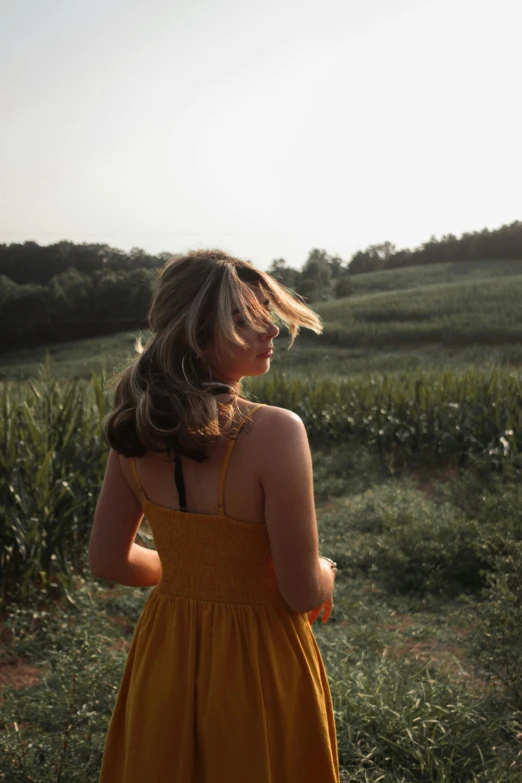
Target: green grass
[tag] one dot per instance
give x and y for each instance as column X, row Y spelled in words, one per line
column 411, row 701
column 102, row 355
column 307, row 362
column 423, row 645
column 448, row 314
column 75, row 359
column 433, row 274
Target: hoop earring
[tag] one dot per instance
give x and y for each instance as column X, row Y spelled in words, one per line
column 185, row 374
column 214, row 387
column 208, row 383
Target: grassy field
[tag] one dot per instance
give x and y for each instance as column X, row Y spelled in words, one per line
column 413, row 405
column 414, row 700
column 433, row 274
column 407, row 320
column 423, row 647
column 76, row 359
column 305, row 360
column 450, row 314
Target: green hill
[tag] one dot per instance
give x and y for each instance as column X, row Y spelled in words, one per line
column 406, row 319
column 487, row 311
column 433, row 274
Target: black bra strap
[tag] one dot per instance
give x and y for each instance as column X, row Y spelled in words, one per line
column 215, row 388
column 180, row 484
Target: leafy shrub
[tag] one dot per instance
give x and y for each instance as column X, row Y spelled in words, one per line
column 496, row 623
column 347, row 469
column 411, row 545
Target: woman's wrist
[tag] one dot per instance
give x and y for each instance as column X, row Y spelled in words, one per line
column 331, row 563
column 328, row 571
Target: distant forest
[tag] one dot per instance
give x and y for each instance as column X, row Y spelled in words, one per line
column 67, row 291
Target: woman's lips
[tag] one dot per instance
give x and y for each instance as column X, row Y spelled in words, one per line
column 267, row 354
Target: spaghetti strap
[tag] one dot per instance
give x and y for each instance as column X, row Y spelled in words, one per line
column 135, row 474
column 228, row 452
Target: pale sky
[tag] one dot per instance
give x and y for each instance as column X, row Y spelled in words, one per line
column 264, row 128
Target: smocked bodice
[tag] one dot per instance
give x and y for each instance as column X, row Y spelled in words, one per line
column 212, row 557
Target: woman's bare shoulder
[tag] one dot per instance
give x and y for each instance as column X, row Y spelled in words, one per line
column 275, row 425
column 280, row 440
column 269, row 413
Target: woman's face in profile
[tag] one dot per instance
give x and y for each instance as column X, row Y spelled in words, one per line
column 246, row 361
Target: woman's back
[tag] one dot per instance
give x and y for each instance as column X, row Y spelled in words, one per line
column 262, row 477
column 243, row 492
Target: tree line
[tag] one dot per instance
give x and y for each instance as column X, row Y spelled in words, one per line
column 325, row 277
column 68, row 291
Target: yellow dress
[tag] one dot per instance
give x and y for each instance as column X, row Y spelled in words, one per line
column 223, row 682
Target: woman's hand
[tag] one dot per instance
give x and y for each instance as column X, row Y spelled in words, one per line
column 314, row 614
column 328, row 604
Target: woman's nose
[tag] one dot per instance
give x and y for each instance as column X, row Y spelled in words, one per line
column 272, row 330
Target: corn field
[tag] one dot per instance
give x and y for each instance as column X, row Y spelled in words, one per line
column 431, row 418
column 52, row 454
column 52, row 459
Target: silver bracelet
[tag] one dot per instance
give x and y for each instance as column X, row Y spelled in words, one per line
column 331, row 563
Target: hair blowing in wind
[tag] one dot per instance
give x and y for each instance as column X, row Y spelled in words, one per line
column 160, row 404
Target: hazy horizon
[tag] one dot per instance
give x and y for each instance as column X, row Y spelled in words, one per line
column 266, row 131
column 174, row 251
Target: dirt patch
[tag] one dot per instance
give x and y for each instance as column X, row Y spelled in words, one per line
column 109, row 592
column 122, row 622
column 127, row 629
column 16, row 674
column 6, row 636
column 403, row 621
column 426, row 484
column 461, row 631
column 122, row 644
column 449, row 658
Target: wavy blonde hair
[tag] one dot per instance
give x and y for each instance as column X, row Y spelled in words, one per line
column 155, row 406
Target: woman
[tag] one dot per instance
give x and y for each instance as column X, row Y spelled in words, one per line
column 224, row 682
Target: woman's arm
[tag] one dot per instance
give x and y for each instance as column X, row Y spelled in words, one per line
column 113, row 555
column 284, row 464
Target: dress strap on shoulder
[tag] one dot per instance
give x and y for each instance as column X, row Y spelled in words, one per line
column 135, row 474
column 228, row 452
